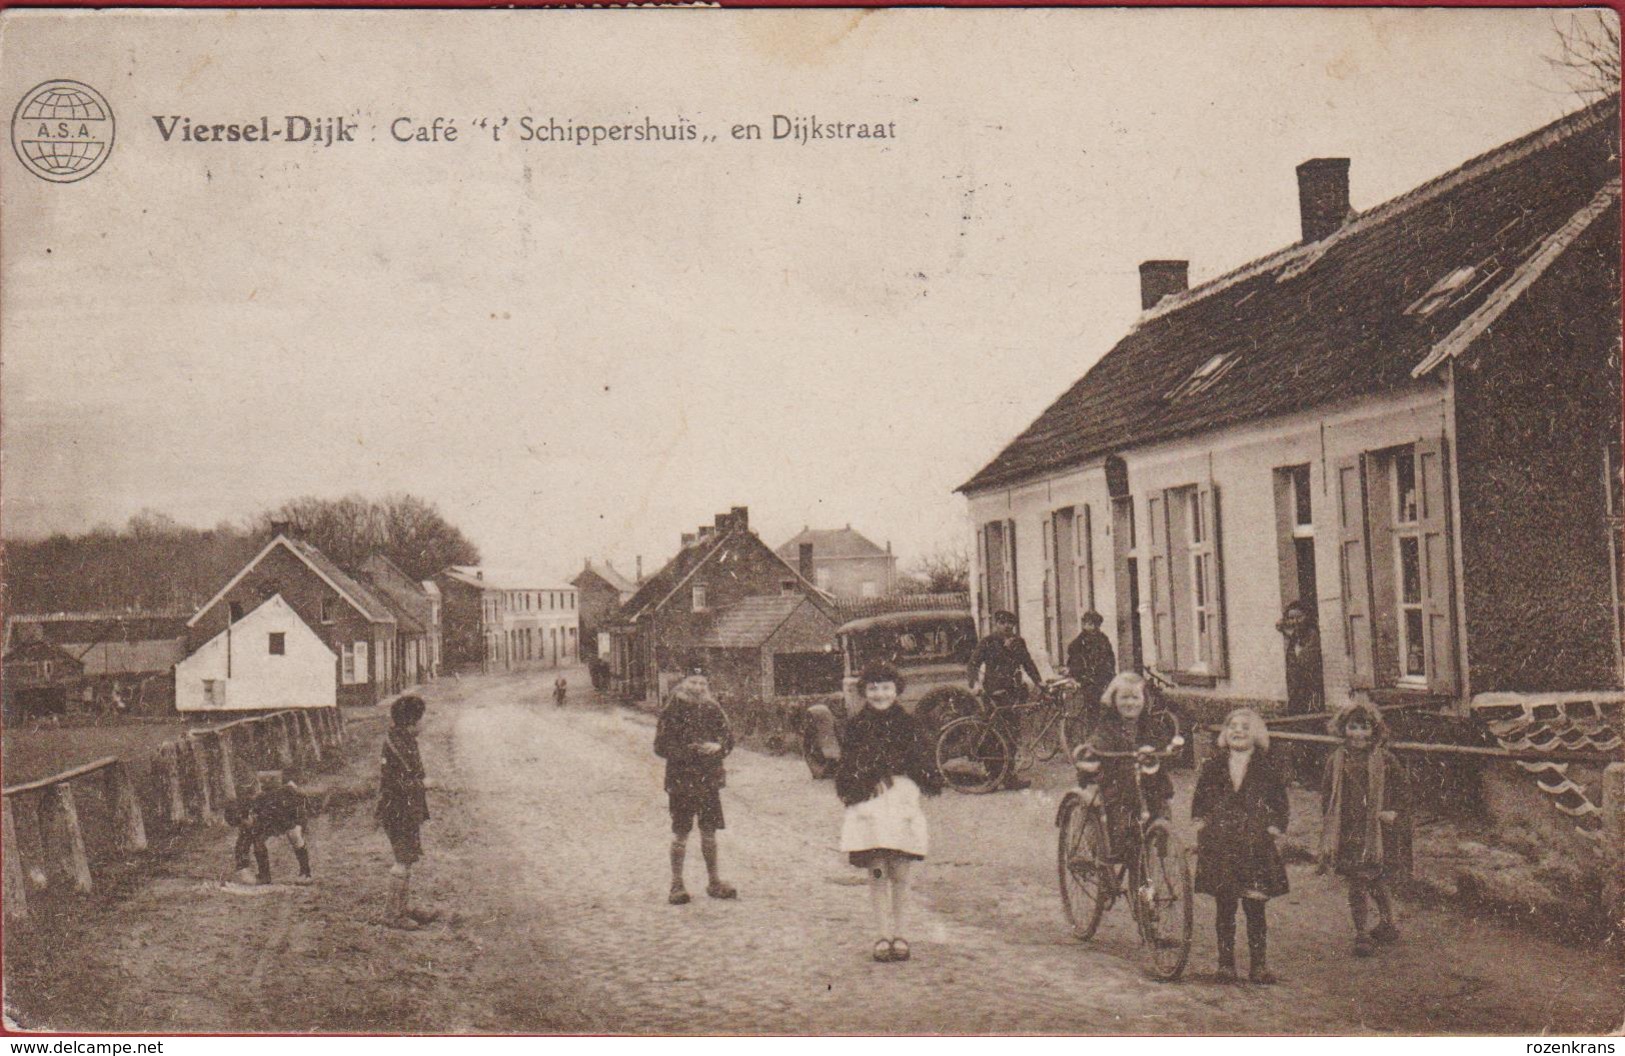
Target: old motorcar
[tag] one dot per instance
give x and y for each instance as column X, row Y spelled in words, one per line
column 929, row 649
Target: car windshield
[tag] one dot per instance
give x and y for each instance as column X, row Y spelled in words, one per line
column 914, row 646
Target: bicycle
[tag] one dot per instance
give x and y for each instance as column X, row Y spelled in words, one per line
column 975, row 755
column 1154, row 874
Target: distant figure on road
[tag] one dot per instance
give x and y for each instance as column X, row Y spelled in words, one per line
column 886, row 765
column 693, row 737
column 403, row 807
column 561, row 686
column 996, row 666
column 276, row 808
column 1090, row 661
column 1365, row 833
column 1240, row 811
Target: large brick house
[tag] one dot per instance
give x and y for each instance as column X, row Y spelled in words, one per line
column 350, row 619
column 601, row 591
column 729, row 603
column 844, row 562
column 1408, row 423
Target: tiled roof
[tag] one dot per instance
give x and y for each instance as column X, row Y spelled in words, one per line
column 609, row 575
column 857, row 608
column 830, row 542
column 747, row 624
column 373, row 607
column 1555, row 722
column 98, row 627
column 406, row 620
column 1351, row 315
column 662, row 583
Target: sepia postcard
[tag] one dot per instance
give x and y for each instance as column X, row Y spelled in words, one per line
column 690, row 521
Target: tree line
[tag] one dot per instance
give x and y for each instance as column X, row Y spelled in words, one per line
column 156, row 564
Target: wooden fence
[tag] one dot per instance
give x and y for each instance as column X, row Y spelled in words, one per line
column 55, row 828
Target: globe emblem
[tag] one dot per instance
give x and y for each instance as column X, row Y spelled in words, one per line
column 62, row 131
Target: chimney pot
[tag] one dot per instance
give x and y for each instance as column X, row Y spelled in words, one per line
column 1162, row 278
column 804, row 562
column 1323, row 196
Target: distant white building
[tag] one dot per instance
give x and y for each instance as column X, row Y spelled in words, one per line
column 268, row 660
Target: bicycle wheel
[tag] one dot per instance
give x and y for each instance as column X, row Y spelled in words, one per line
column 1047, row 742
column 1084, row 872
column 972, row 755
column 1164, row 900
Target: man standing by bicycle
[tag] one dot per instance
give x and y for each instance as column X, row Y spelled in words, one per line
column 996, row 667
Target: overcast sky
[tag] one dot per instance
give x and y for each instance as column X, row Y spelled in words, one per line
column 578, row 350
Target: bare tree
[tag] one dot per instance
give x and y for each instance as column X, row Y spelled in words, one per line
column 945, row 570
column 1587, row 58
column 408, row 530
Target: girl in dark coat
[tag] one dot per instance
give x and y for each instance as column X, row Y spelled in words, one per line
column 885, row 767
column 1240, row 810
column 1365, row 834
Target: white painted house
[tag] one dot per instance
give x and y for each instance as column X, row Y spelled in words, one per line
column 269, row 659
column 1408, row 422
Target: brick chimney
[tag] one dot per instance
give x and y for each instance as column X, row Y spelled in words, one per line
column 282, row 528
column 688, row 540
column 721, row 523
column 1162, row 278
column 704, row 533
column 804, row 562
column 1323, row 196
column 741, row 515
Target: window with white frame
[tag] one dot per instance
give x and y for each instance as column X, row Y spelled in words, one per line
column 363, row 670
column 1186, row 581
column 347, row 664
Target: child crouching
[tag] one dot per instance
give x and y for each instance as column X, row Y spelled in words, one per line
column 1240, row 811
column 276, row 808
column 1365, row 834
column 885, row 767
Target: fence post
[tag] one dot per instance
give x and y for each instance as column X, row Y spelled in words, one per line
column 338, row 723
column 228, row 766
column 200, row 768
column 59, row 825
column 16, row 883
column 169, row 773
column 128, row 826
column 307, row 734
column 284, row 745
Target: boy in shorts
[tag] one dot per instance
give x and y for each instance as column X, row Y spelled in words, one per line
column 693, row 737
column 403, row 806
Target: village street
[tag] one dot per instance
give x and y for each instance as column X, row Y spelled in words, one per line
column 548, row 853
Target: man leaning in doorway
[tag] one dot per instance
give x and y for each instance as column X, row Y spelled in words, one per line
column 997, row 666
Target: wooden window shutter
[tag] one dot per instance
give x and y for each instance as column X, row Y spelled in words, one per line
column 982, row 600
column 1051, row 599
column 1162, row 600
column 1286, row 548
column 1438, row 609
column 1218, row 665
column 1083, row 535
column 1178, row 507
column 1354, row 570
column 1123, row 585
column 1011, row 601
column 363, row 673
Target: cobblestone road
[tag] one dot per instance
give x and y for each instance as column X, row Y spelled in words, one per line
column 548, row 850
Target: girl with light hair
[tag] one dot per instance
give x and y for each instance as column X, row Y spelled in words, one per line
column 1240, row 811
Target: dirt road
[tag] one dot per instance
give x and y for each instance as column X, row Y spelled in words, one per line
column 548, row 848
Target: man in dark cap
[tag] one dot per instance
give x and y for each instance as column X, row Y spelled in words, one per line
column 996, row 666
column 1090, row 660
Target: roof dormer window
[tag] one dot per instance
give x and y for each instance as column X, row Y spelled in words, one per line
column 1212, row 369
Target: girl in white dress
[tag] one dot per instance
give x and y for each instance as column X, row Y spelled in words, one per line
column 885, row 767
